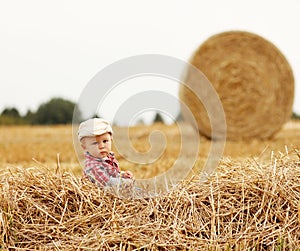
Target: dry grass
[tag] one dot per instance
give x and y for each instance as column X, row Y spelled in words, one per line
column 19, row 144
column 250, row 203
column 242, row 206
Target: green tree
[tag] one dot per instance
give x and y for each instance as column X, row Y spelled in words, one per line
column 11, row 116
column 179, row 117
column 29, row 117
column 295, row 116
column 11, row 112
column 55, row 111
column 158, row 118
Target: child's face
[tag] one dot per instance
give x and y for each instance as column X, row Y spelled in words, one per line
column 97, row 146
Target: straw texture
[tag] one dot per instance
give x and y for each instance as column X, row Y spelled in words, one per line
column 243, row 206
column 253, row 80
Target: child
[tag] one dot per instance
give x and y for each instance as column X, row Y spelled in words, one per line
column 101, row 166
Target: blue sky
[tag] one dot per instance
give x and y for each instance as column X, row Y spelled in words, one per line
column 54, row 48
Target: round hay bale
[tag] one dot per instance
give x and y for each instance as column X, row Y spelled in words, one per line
column 253, row 79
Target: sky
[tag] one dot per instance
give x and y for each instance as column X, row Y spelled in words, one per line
column 54, row 48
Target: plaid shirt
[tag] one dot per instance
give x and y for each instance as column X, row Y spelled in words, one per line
column 100, row 170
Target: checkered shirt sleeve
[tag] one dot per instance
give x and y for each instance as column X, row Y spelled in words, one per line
column 100, row 171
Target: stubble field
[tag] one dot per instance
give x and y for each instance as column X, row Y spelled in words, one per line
column 43, row 145
column 250, row 202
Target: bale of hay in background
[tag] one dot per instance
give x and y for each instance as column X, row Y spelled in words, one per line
column 253, row 79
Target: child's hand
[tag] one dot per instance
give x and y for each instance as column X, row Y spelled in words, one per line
column 127, row 175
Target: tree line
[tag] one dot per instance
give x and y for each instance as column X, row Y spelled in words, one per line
column 54, row 111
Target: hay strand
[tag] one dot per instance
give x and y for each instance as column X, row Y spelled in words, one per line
column 253, row 79
column 248, row 205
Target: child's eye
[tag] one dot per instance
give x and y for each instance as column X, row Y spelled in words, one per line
column 95, row 143
column 105, row 141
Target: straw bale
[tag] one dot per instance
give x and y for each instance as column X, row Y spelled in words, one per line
column 244, row 206
column 254, row 82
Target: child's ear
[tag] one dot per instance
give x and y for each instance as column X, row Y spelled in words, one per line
column 83, row 144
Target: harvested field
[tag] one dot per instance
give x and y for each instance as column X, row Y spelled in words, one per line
column 251, row 202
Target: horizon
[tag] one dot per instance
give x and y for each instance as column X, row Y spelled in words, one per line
column 44, row 57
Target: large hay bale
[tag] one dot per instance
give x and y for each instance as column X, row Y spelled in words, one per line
column 253, row 79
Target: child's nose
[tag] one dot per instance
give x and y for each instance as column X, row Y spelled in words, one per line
column 100, row 145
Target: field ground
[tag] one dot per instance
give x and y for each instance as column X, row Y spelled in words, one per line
column 43, row 145
column 251, row 202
